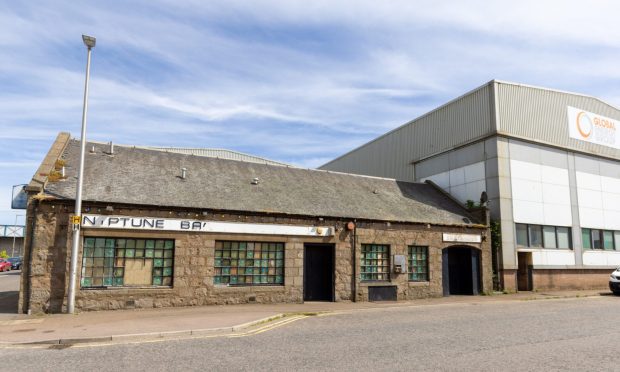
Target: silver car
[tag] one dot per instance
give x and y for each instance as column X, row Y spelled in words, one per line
column 614, row 282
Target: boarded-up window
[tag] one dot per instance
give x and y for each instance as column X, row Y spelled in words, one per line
column 138, row 272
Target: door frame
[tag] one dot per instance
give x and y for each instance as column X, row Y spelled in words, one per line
column 476, row 269
column 525, row 268
column 332, row 288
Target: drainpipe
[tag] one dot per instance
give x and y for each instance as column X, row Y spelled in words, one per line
column 355, row 261
column 30, row 249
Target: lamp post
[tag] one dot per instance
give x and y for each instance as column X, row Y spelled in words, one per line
column 15, row 234
column 89, row 41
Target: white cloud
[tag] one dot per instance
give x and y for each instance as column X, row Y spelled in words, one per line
column 296, row 81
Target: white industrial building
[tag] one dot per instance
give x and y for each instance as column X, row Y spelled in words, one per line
column 549, row 162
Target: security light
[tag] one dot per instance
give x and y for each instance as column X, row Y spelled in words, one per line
column 89, row 41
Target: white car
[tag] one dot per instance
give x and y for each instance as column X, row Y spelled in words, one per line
column 614, row 282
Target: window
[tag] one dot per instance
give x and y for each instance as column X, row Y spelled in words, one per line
column 586, row 240
column 249, row 263
column 549, row 237
column 563, row 234
column 596, row 239
column 375, row 262
column 522, row 235
column 418, row 264
column 537, row 236
column 600, row 239
column 608, row 240
column 116, row 262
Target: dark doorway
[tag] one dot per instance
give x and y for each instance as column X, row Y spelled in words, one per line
column 319, row 272
column 524, row 271
column 461, row 271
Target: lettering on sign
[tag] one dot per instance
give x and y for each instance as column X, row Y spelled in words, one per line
column 590, row 127
column 171, row 224
column 462, row 238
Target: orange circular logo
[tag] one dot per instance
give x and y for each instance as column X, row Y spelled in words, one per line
column 584, row 124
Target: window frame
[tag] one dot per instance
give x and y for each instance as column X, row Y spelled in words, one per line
column 363, row 259
column 541, row 228
column 591, row 232
column 410, row 262
column 256, row 271
column 163, row 271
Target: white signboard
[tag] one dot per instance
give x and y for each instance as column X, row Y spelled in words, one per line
column 172, row 224
column 590, row 127
column 20, row 198
column 462, row 238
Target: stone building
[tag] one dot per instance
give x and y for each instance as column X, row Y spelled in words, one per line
column 168, row 229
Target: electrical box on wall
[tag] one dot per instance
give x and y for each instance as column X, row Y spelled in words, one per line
column 399, row 263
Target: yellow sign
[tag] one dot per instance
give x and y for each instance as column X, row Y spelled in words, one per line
column 76, row 220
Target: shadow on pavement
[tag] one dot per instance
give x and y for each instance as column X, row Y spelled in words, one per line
column 9, row 292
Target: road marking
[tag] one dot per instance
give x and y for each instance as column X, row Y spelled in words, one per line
column 268, row 327
column 252, row 332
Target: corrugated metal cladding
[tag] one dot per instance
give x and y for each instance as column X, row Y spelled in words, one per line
column 540, row 115
column 460, row 121
column 221, row 154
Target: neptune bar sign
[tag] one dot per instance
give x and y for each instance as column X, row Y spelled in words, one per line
column 92, row 221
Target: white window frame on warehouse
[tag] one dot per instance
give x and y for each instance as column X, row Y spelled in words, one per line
column 602, row 234
column 544, row 232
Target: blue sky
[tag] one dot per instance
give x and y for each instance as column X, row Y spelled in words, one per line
column 296, row 81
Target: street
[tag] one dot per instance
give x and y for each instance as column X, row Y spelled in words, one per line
column 9, row 292
column 568, row 334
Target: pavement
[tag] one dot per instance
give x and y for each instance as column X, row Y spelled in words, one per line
column 185, row 322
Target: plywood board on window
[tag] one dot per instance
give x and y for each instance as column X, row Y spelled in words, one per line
column 138, row 272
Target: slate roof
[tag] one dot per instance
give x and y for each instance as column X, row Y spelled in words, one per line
column 150, row 177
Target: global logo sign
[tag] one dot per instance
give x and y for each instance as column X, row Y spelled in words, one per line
column 584, row 124
column 590, row 127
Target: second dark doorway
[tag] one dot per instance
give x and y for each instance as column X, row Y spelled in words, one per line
column 461, row 271
column 318, row 272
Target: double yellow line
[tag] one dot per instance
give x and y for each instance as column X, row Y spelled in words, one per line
column 270, row 325
column 267, row 327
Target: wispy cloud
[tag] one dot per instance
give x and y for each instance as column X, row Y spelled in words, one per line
column 297, row 81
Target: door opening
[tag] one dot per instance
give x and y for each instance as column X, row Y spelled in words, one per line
column 461, row 271
column 525, row 280
column 319, row 272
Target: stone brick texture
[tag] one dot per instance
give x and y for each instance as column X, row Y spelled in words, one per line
column 48, row 246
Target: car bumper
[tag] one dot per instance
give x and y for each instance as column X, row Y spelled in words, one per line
column 614, row 287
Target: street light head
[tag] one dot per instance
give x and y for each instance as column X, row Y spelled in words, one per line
column 89, row 41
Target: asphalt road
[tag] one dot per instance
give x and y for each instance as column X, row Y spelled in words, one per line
column 568, row 335
column 9, row 292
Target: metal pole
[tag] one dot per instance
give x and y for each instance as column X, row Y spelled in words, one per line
column 78, row 196
column 15, row 235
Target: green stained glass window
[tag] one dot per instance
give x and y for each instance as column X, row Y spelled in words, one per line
column 418, row 264
column 240, row 263
column 375, row 262
column 103, row 261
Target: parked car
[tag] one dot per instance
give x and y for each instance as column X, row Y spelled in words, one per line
column 4, row 265
column 614, row 282
column 16, row 263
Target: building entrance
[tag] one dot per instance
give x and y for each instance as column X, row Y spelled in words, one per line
column 525, row 281
column 461, row 271
column 319, row 272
